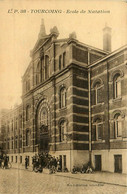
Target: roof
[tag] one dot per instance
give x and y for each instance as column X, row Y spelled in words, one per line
column 109, row 55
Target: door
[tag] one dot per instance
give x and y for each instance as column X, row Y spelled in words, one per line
column 60, row 157
column 64, row 162
column 98, row 162
column 118, row 163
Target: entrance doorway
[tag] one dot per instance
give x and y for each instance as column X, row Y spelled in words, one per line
column 98, row 162
column 62, row 162
column 118, row 163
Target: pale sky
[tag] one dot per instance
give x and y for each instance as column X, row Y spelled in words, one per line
column 19, row 33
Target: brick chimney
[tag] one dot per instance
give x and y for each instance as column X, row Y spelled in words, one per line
column 107, row 38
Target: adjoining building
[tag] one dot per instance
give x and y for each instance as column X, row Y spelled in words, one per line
column 73, row 104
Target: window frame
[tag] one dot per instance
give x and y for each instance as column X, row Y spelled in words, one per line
column 63, row 97
column 118, row 125
column 62, row 131
column 27, row 137
column 116, row 88
column 98, row 129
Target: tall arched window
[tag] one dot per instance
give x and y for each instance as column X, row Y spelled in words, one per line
column 12, row 143
column 27, row 84
column 16, row 124
column 27, row 112
column 60, row 62
column 64, row 59
column 12, row 125
column 46, row 67
column 63, row 97
column 8, row 144
column 27, row 137
column 63, row 131
column 16, row 142
column 118, row 125
column 117, row 86
column 38, row 73
column 20, row 141
column 97, row 85
column 98, row 129
column 44, row 117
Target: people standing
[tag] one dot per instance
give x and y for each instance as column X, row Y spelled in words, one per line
column 26, row 162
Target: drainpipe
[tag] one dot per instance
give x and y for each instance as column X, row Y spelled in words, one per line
column 89, row 97
column 54, row 82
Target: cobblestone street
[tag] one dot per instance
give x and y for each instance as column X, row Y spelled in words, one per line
column 27, row 182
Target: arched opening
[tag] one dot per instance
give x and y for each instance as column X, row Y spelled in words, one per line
column 117, row 125
column 117, row 86
column 43, row 127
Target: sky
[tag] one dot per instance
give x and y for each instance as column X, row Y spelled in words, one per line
column 19, row 33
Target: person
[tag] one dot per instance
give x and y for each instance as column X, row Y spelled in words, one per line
column 0, row 161
column 83, row 170
column 26, row 162
column 58, row 165
column 5, row 161
column 54, row 164
column 74, row 170
column 89, row 170
column 34, row 162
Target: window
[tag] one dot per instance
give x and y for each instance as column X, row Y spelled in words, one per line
column 118, row 126
column 8, row 128
column 16, row 142
column 20, row 142
column 62, row 131
column 97, row 92
column 44, row 117
column 20, row 159
column 28, row 85
column 60, row 62
column 12, row 144
column 99, row 128
column 27, row 137
column 20, row 121
column 8, row 144
column 64, row 59
column 15, row 159
column 117, row 86
column 12, row 125
column 16, row 124
column 62, row 98
column 38, row 73
column 27, row 113
column 46, row 67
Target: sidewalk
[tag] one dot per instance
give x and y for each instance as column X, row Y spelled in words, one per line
column 98, row 177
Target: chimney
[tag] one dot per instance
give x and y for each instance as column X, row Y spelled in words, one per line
column 42, row 32
column 107, row 38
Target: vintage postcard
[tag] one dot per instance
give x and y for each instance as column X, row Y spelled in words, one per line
column 63, row 97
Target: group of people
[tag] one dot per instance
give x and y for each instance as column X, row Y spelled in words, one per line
column 4, row 159
column 84, row 169
column 45, row 160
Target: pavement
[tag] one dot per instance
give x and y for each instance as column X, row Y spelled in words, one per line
column 22, row 181
column 117, row 179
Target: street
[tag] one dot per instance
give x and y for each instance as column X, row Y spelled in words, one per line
column 27, row 182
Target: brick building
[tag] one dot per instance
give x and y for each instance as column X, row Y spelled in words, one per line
column 73, row 104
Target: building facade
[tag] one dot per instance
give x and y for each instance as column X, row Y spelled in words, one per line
column 73, row 104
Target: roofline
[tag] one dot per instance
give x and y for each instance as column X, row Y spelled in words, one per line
column 92, row 47
column 109, row 55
